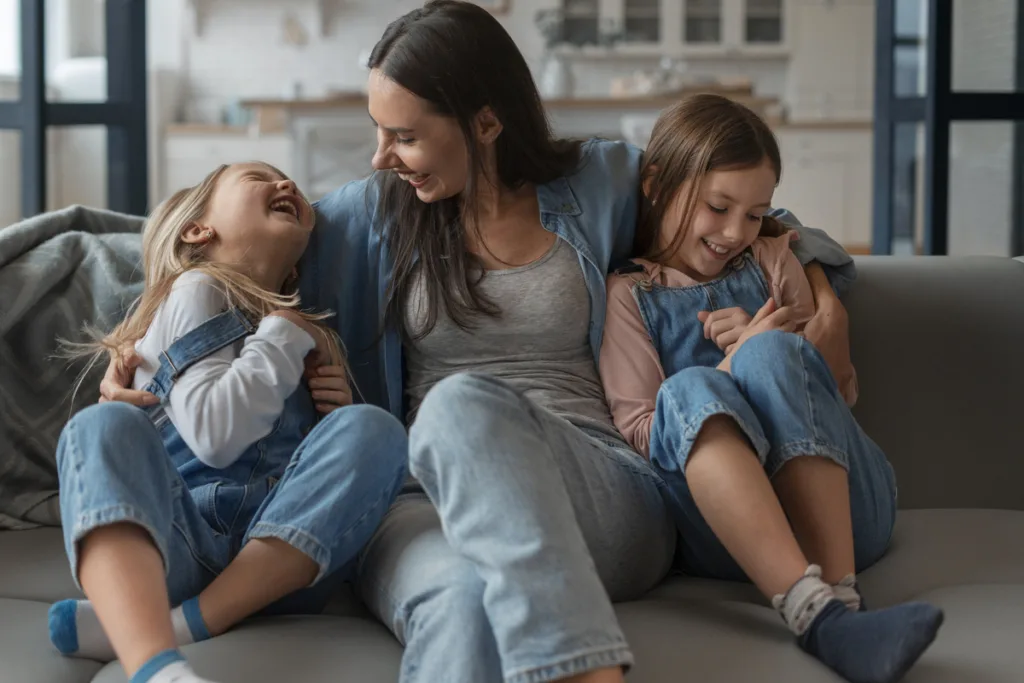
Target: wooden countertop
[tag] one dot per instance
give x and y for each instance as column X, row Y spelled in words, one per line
column 357, row 99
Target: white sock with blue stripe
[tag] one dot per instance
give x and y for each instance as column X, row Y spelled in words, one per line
column 75, row 629
column 168, row 666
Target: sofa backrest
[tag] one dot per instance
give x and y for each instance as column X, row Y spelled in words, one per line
column 938, row 343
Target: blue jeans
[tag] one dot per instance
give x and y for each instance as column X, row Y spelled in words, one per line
column 338, row 485
column 506, row 567
column 784, row 399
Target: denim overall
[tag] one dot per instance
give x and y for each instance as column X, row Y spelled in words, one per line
column 779, row 391
column 228, row 498
column 321, row 487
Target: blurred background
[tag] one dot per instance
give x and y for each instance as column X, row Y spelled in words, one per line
column 282, row 81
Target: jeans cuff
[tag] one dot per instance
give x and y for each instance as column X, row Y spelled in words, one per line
column 91, row 520
column 694, row 425
column 298, row 539
column 795, row 449
column 614, row 655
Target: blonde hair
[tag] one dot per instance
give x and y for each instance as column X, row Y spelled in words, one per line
column 166, row 256
column 697, row 135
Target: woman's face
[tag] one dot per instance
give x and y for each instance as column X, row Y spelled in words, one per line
column 426, row 149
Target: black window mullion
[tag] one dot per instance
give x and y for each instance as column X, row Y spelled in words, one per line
column 32, row 120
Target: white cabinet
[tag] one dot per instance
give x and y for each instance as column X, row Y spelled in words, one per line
column 831, row 67
column 826, row 180
column 191, row 152
column 680, row 28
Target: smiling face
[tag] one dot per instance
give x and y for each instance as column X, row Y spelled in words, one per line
column 259, row 217
column 426, row 149
column 725, row 220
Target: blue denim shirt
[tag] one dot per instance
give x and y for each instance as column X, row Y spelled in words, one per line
column 346, row 268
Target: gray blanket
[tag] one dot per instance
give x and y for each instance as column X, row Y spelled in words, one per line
column 58, row 272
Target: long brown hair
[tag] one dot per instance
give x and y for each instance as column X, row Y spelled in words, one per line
column 697, row 135
column 459, row 59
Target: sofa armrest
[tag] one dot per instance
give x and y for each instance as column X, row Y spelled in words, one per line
column 938, row 345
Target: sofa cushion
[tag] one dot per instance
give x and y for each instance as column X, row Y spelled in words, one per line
column 26, row 655
column 33, row 566
column 307, row 649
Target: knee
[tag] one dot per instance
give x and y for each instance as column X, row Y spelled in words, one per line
column 110, row 432
column 372, row 438
column 772, row 349
column 461, row 409
column 458, row 602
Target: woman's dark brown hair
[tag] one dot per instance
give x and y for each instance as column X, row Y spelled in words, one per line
column 698, row 134
column 459, row 59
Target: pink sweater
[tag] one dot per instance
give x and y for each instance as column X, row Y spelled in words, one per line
column 630, row 368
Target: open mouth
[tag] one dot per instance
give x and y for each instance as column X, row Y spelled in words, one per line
column 288, row 205
column 415, row 179
column 717, row 249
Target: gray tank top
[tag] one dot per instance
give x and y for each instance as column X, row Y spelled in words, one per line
column 539, row 343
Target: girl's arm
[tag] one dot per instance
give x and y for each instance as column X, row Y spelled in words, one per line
column 630, row 368
column 226, row 402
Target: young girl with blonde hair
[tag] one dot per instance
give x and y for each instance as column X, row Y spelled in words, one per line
column 227, row 493
column 768, row 474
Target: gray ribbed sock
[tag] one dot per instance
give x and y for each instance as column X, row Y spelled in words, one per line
column 846, row 590
column 804, row 600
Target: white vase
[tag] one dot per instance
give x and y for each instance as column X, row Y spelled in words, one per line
column 556, row 78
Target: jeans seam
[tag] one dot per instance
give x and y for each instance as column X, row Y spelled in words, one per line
column 581, row 661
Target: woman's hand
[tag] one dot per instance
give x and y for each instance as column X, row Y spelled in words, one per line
column 328, row 384
column 765, row 320
column 119, row 376
column 829, row 331
column 724, row 326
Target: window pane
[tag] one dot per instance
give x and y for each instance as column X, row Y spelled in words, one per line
column 910, row 43
column 908, row 186
column 980, row 188
column 10, row 49
column 702, row 21
column 76, row 61
column 764, row 21
column 985, row 45
column 10, row 177
column 77, row 171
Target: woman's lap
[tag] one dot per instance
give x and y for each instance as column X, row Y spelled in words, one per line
column 542, row 525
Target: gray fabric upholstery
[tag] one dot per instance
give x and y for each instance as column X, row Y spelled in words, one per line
column 935, row 344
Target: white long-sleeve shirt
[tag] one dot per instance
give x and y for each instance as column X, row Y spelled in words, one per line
column 230, row 399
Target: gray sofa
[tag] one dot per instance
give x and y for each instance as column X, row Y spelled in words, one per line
column 937, row 343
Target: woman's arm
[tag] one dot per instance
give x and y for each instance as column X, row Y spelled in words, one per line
column 815, row 245
column 829, row 331
column 630, row 368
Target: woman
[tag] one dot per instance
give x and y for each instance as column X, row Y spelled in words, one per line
column 482, row 245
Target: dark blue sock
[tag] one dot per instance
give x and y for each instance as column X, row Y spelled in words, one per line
column 871, row 647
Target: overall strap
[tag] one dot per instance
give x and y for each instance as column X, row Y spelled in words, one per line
column 213, row 335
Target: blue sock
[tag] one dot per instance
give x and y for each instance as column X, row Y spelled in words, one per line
column 871, row 647
column 75, row 629
column 155, row 665
column 194, row 620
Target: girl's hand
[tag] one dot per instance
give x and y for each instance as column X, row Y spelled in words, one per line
column 328, row 384
column 724, row 326
column 119, row 376
column 321, row 354
column 765, row 320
